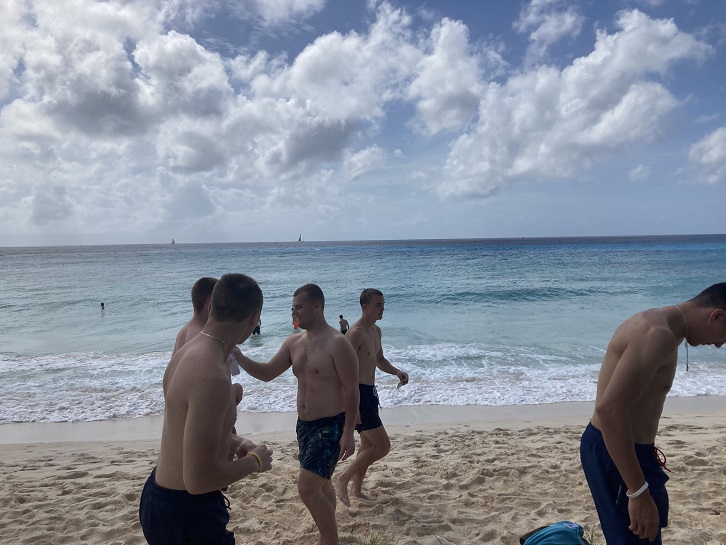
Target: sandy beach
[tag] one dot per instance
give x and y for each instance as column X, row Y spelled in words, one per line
column 455, row 476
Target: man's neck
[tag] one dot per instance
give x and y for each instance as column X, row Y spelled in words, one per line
column 368, row 321
column 317, row 328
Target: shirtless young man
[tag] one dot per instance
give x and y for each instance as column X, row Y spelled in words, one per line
column 181, row 500
column 327, row 402
column 617, row 449
column 365, row 336
column 201, row 302
column 201, row 298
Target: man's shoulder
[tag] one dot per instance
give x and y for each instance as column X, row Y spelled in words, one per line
column 652, row 323
column 356, row 332
column 196, row 365
column 646, row 334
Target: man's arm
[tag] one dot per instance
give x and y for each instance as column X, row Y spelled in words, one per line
column 628, row 384
column 279, row 363
column 346, row 365
column 206, row 467
column 386, row 366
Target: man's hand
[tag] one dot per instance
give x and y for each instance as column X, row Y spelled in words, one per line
column 240, row 447
column 644, row 521
column 265, row 456
column 347, row 446
column 402, row 377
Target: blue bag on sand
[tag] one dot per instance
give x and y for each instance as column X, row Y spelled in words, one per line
column 559, row 533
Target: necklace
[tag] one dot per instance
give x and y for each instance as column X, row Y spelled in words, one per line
column 224, row 346
column 685, row 339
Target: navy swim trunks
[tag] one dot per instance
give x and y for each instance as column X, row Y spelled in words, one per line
column 170, row 517
column 608, row 488
column 368, row 408
column 319, row 444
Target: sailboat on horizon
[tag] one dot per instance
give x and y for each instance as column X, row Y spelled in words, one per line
column 299, row 239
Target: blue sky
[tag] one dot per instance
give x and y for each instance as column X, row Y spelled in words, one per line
column 214, row 121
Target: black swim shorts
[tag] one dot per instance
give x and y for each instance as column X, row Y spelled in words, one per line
column 319, row 444
column 176, row 516
column 368, row 408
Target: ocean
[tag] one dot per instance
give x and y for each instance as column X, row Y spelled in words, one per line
column 474, row 322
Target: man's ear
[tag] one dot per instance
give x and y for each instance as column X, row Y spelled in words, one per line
column 718, row 314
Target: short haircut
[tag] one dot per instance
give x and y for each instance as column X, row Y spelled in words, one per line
column 712, row 296
column 367, row 294
column 235, row 298
column 201, row 291
column 312, row 292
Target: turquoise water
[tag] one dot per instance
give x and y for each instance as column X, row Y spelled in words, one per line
column 473, row 321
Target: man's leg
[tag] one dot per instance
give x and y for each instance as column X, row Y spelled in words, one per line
column 374, row 445
column 318, row 496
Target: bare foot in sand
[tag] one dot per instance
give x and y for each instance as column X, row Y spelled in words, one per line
column 341, row 490
column 360, row 495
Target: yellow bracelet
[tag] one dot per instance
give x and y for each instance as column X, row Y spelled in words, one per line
column 259, row 461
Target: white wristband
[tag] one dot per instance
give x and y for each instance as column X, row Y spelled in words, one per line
column 637, row 492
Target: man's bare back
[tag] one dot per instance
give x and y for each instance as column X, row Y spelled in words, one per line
column 651, row 345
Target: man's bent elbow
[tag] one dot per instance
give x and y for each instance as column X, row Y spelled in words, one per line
column 195, row 488
column 197, row 484
column 608, row 414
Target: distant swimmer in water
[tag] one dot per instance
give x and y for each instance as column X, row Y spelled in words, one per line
column 344, row 326
column 102, row 306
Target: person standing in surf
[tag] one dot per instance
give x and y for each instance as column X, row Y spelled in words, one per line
column 365, row 336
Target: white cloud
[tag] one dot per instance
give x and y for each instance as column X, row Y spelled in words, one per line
column 276, row 11
column 12, row 39
column 651, row 3
column 639, row 173
column 50, row 204
column 708, row 157
column 118, row 118
column 548, row 123
column 358, row 163
column 547, row 24
column 341, row 77
column 179, row 75
column 447, row 84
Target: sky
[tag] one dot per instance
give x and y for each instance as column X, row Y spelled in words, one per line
column 139, row 121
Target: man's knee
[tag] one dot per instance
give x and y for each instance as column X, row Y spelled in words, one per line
column 385, row 447
column 379, row 441
column 309, row 486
